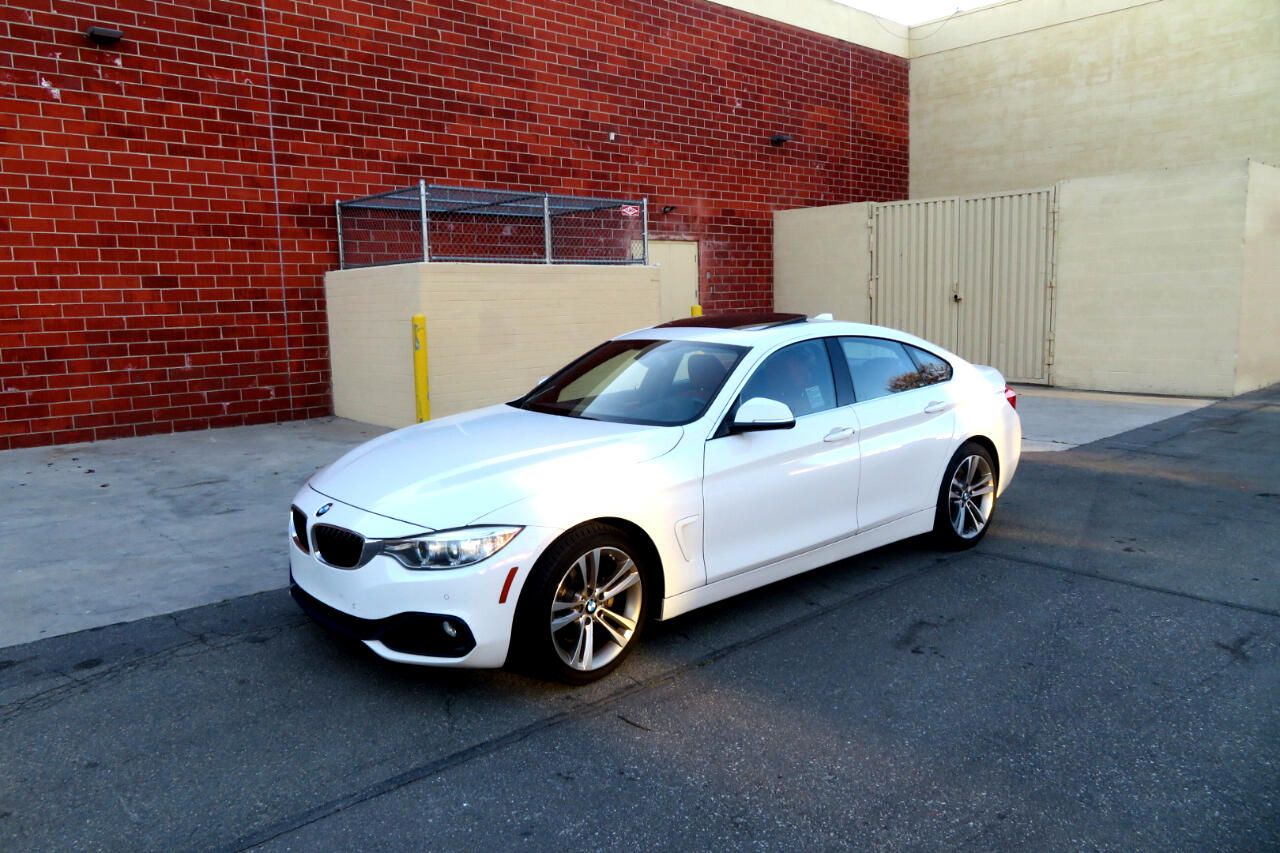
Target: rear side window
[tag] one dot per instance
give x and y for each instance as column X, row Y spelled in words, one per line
column 880, row 367
column 931, row 368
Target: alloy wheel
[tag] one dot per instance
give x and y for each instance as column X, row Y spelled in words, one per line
column 971, row 497
column 596, row 608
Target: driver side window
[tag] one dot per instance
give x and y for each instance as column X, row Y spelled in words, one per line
column 798, row 375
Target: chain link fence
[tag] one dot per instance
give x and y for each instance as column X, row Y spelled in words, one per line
column 434, row 223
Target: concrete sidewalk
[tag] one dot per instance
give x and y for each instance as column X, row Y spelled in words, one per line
column 114, row 531
column 1058, row 419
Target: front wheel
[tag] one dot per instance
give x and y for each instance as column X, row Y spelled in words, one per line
column 966, row 499
column 584, row 606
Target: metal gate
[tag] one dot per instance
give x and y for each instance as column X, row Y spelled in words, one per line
column 973, row 273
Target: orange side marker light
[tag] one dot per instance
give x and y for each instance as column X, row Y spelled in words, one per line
column 506, row 587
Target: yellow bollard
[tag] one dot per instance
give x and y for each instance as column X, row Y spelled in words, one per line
column 421, row 388
column 695, row 311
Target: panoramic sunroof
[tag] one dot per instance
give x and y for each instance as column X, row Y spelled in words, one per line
column 761, row 320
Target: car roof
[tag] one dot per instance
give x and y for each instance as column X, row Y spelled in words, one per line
column 755, row 321
column 759, row 332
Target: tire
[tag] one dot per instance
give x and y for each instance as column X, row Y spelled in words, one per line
column 567, row 626
column 966, row 498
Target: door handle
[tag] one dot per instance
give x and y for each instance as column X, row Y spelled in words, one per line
column 839, row 434
column 936, row 406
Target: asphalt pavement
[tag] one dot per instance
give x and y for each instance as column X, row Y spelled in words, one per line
column 1101, row 672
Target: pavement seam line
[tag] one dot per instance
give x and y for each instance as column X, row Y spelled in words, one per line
column 497, row 744
column 51, row 696
column 1134, row 584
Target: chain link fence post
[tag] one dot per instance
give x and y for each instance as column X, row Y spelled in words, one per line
column 644, row 228
column 342, row 261
column 546, row 227
column 422, row 207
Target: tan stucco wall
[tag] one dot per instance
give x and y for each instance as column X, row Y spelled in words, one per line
column 1001, row 20
column 1148, row 280
column 1167, row 280
column 1036, row 91
column 821, row 261
column 492, row 329
column 1259, row 359
column 830, row 19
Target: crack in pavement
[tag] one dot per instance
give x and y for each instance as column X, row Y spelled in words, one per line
column 1085, row 573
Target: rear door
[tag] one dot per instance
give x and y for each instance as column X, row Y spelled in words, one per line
column 906, row 416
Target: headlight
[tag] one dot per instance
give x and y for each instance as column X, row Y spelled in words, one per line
column 449, row 549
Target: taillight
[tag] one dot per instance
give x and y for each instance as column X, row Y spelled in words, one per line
column 1011, row 395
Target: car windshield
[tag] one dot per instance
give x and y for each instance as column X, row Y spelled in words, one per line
column 659, row 383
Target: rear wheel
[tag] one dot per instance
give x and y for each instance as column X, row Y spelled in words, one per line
column 966, row 499
column 584, row 606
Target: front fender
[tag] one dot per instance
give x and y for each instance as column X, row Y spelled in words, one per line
column 663, row 497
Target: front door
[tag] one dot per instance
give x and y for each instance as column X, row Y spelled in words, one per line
column 770, row 495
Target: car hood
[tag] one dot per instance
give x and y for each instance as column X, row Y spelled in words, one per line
column 449, row 472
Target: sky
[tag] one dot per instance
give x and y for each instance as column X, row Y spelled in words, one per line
column 911, row 12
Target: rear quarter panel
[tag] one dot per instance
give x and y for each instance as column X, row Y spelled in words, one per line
column 983, row 411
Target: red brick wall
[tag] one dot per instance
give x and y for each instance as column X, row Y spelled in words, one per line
column 166, row 206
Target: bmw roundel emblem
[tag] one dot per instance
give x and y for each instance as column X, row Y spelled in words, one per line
column 322, row 510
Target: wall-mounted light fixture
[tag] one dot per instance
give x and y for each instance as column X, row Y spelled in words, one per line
column 779, row 139
column 667, row 208
column 103, row 36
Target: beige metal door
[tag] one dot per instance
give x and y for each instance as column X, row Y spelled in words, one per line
column 914, row 267
column 973, row 273
column 678, row 262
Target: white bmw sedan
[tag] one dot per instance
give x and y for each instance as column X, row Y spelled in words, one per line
column 665, row 469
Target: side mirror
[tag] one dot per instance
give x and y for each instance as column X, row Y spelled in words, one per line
column 761, row 413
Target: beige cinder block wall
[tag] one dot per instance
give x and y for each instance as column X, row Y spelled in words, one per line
column 492, row 329
column 1031, row 92
column 371, row 343
column 1149, row 277
column 1258, row 364
column 495, row 329
column 821, row 261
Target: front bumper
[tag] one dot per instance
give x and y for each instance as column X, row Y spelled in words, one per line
column 400, row 613
column 419, row 634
